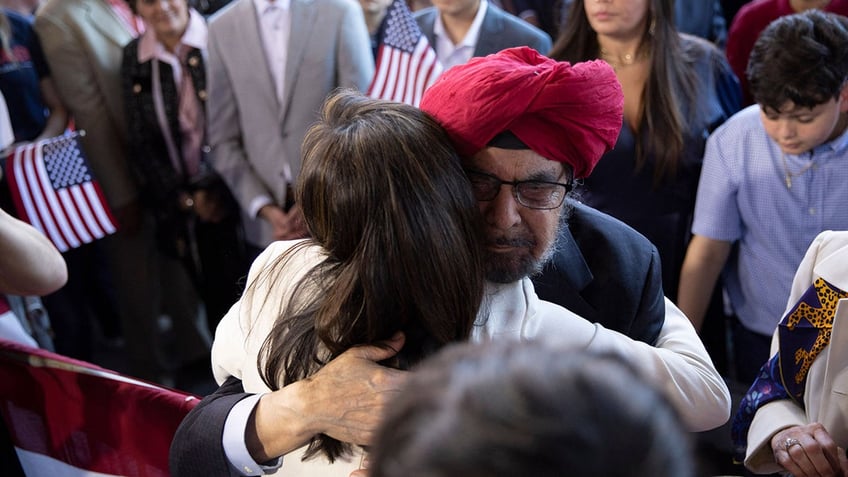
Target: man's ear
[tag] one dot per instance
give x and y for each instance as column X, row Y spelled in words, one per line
column 568, row 171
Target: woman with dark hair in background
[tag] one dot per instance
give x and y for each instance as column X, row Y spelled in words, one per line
column 677, row 89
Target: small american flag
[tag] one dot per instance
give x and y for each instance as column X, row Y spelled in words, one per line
column 406, row 64
column 55, row 191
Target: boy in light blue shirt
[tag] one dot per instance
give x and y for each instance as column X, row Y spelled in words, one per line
column 774, row 176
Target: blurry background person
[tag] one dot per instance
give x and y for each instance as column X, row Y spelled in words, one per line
column 703, row 18
column 677, row 88
column 83, row 42
column 271, row 65
column 197, row 220
column 752, row 18
column 461, row 29
column 503, row 409
column 25, row 81
column 794, row 418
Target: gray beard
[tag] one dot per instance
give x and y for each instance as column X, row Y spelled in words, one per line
column 512, row 269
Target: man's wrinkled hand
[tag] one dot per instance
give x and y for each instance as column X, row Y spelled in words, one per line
column 348, row 395
column 344, row 400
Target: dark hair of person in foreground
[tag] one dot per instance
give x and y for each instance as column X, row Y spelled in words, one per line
column 526, row 408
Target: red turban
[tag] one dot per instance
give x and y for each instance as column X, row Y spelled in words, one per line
column 564, row 113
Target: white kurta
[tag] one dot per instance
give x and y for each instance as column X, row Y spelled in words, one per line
column 678, row 363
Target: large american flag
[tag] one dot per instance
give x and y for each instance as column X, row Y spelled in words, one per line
column 50, row 405
column 406, row 64
column 54, row 190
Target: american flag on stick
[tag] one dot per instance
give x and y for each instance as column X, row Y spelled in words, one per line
column 406, row 64
column 54, row 190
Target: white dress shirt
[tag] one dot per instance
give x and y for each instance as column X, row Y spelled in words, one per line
column 275, row 27
column 458, row 54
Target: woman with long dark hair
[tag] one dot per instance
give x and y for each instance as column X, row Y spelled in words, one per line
column 394, row 248
column 677, row 89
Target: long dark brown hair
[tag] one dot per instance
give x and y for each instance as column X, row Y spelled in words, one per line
column 669, row 101
column 383, row 194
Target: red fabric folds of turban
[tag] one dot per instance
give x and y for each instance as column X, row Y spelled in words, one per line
column 565, row 113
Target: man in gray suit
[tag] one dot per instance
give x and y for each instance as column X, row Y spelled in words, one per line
column 461, row 29
column 271, row 64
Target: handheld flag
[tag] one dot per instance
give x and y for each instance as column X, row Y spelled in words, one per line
column 406, row 63
column 54, row 191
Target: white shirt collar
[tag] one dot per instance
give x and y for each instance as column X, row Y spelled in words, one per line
column 451, row 55
column 263, row 5
column 194, row 37
column 473, row 34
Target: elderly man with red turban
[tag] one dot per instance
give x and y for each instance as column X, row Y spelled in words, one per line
column 526, row 127
column 512, row 109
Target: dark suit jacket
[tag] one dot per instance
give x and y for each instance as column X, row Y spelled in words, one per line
column 604, row 270
column 607, row 273
column 500, row 30
column 197, row 448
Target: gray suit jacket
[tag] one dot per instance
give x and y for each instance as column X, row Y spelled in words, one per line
column 500, row 30
column 83, row 42
column 253, row 135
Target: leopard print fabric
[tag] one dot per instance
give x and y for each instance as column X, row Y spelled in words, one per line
column 821, row 318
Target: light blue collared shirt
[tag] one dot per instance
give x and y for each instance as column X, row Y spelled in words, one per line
column 743, row 197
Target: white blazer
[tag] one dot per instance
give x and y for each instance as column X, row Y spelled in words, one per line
column 826, row 390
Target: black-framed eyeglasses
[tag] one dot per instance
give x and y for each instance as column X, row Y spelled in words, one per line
column 533, row 194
